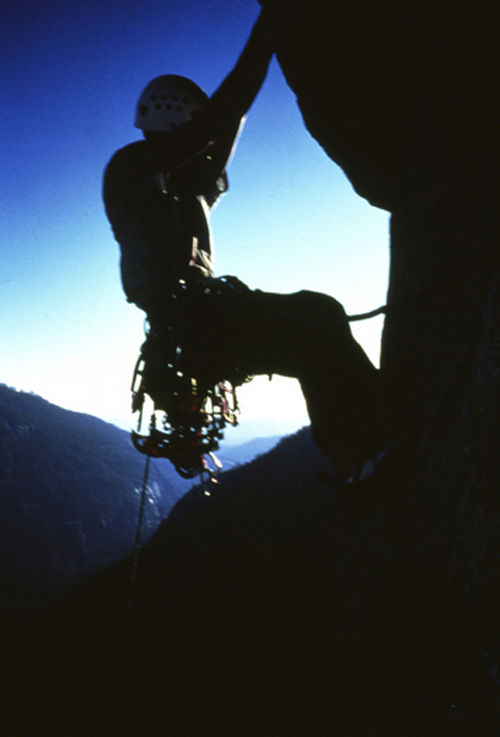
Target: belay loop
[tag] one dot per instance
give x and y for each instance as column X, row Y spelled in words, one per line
column 188, row 415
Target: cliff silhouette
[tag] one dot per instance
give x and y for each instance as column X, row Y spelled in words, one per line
column 300, row 607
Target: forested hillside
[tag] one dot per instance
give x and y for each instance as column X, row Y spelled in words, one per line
column 69, row 494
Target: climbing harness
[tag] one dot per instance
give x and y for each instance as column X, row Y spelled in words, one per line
column 187, row 414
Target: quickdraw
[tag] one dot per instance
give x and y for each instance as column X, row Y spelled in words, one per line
column 187, row 417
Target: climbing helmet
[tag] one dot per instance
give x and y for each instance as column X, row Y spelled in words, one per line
column 167, row 102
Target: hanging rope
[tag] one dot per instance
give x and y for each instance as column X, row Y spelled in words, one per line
column 366, row 315
column 138, row 532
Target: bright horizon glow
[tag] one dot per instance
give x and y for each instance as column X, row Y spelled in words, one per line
column 290, row 220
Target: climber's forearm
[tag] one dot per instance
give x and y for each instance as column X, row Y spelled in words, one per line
column 215, row 128
column 237, row 92
column 235, row 95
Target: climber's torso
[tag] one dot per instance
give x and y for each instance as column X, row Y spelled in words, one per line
column 160, row 222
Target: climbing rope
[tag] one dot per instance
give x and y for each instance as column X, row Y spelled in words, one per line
column 367, row 315
column 138, row 535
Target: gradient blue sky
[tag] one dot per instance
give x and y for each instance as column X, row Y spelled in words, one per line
column 71, row 74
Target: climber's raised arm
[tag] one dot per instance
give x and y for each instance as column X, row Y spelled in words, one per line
column 214, row 129
column 236, row 93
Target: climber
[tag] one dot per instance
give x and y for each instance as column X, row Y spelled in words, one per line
column 158, row 192
column 157, row 195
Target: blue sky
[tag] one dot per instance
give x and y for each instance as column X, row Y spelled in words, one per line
column 71, row 74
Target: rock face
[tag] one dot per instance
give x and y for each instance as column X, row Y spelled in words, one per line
column 401, row 95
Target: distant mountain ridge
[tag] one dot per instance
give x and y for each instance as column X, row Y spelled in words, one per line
column 235, row 455
column 69, row 493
